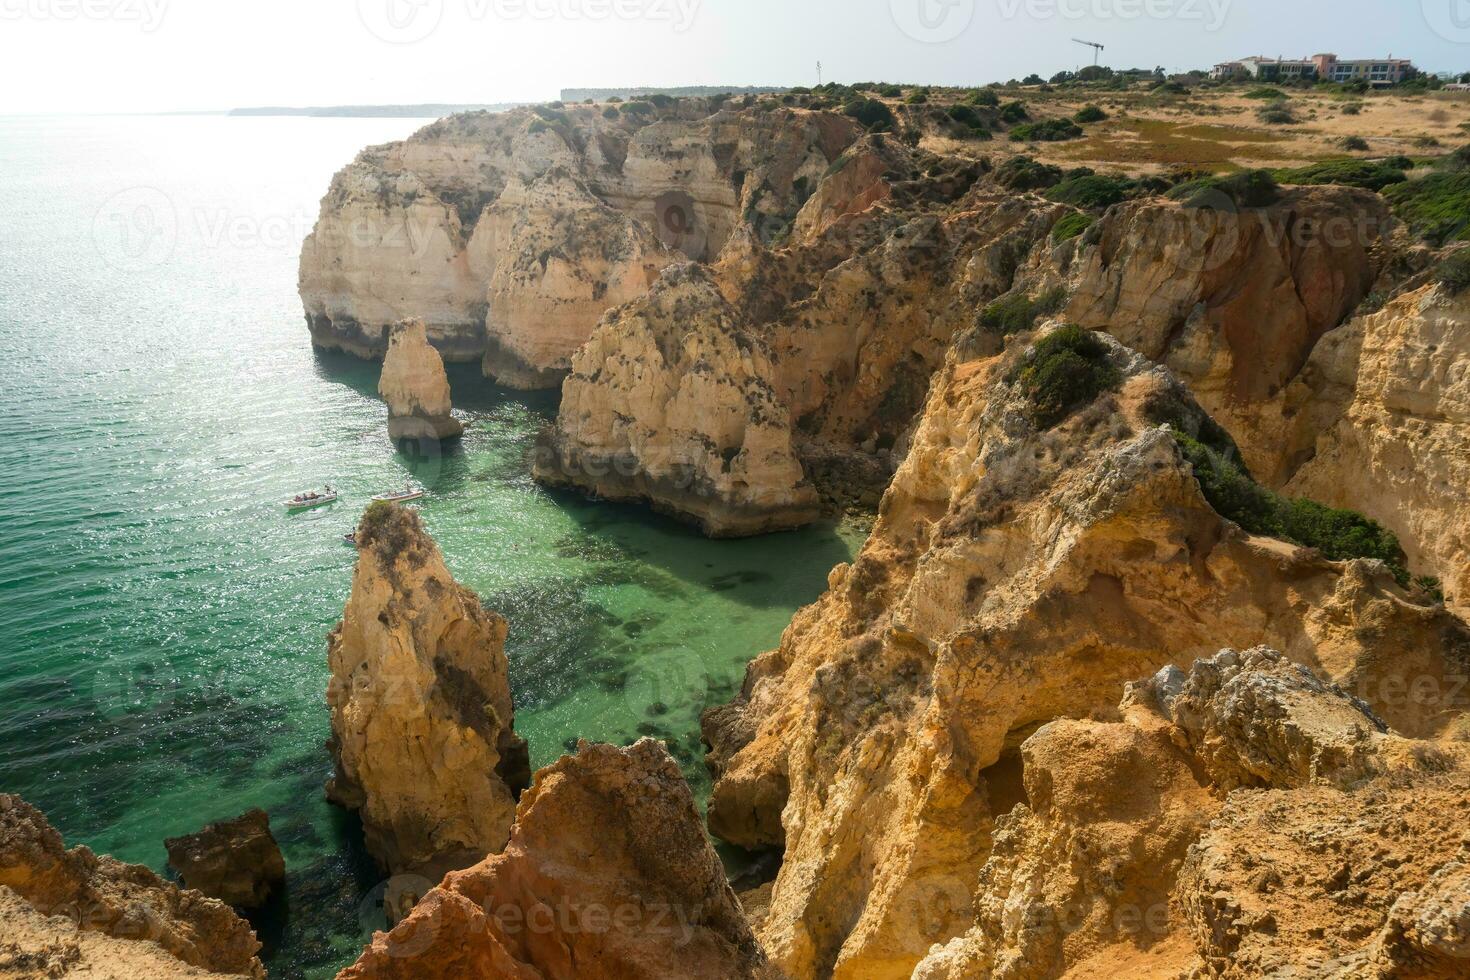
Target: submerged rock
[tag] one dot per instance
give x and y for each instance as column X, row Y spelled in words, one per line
column 65, row 911
column 236, row 861
column 414, row 385
column 422, row 720
column 608, row 874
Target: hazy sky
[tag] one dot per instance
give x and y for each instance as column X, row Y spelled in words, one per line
column 146, row 55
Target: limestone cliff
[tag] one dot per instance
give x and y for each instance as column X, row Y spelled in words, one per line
column 414, row 385
column 73, row 913
column 607, row 874
column 1025, row 565
column 511, row 233
column 1125, row 853
column 422, row 721
column 562, row 257
column 1382, row 417
column 672, row 402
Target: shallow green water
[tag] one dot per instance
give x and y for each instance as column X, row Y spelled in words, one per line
column 165, row 621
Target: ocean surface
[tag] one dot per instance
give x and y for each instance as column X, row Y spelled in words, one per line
column 165, row 621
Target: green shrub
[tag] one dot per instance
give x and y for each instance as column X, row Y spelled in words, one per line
column 1049, row 131
column 1276, row 116
column 1247, row 189
column 918, row 98
column 538, row 126
column 1070, row 226
column 1014, row 112
column 1089, row 114
column 1089, row 191
column 1022, row 173
column 1436, row 207
column 888, row 91
column 1067, row 369
column 983, row 97
column 1355, row 143
column 611, row 112
column 875, row 116
column 1266, row 92
column 639, row 108
column 1339, row 534
column 1018, row 313
column 1369, row 174
column 1454, row 271
column 661, row 100
column 1426, row 142
column 1352, row 109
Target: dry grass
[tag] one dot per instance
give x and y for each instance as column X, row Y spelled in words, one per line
column 1219, row 131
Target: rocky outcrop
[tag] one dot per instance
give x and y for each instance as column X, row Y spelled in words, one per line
column 236, row 861
column 71, row 912
column 414, row 385
column 1018, row 573
column 511, row 233
column 1232, row 299
column 607, row 874
column 1126, row 855
column 672, row 402
column 422, row 721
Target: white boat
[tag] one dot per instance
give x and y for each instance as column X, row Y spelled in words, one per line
column 312, row 498
column 402, row 496
column 350, row 539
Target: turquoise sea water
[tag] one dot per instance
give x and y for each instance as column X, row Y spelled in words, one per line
column 165, row 620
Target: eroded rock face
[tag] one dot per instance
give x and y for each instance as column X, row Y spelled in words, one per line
column 535, row 222
column 607, row 874
column 1016, row 575
column 1233, row 301
column 672, row 402
column 416, row 388
column 1128, row 854
column 236, row 861
column 422, row 720
column 1381, row 416
column 67, row 911
column 562, row 258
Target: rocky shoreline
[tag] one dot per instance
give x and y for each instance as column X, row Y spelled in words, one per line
column 1154, row 661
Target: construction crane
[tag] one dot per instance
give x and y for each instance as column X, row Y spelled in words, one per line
column 1096, row 48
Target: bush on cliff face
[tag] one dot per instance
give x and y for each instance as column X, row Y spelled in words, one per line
column 1025, row 174
column 1373, row 175
column 391, row 532
column 1247, row 189
column 1454, row 272
column 875, row 116
column 1436, row 207
column 1070, row 226
column 1018, row 312
column 1067, row 369
column 1091, row 191
column 1339, row 534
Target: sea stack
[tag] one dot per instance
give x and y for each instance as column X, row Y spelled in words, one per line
column 416, row 388
column 607, row 875
column 422, row 719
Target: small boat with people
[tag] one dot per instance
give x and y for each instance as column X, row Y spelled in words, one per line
column 312, row 498
column 350, row 538
column 409, row 492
